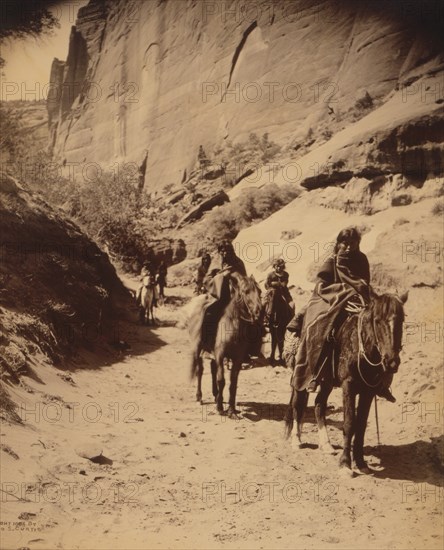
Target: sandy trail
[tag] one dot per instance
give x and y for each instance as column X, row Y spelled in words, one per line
column 177, row 475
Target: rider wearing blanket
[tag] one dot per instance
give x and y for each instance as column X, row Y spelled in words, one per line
column 277, row 280
column 218, row 288
column 147, row 278
column 344, row 276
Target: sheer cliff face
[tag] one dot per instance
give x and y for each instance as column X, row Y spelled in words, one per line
column 156, row 79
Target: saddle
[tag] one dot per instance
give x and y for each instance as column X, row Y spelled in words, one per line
column 329, row 353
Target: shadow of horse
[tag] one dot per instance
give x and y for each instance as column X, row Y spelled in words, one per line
column 256, row 411
column 416, row 462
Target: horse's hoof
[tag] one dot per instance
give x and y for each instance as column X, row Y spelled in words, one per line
column 346, row 472
column 233, row 414
column 296, row 444
column 363, row 469
column 327, row 449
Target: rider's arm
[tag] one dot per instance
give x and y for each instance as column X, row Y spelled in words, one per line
column 284, row 279
column 326, row 275
column 365, row 269
column 269, row 281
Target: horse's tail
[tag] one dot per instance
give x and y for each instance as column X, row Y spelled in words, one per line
column 194, row 361
column 289, row 417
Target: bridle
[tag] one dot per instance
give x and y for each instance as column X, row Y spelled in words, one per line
column 362, row 353
column 252, row 318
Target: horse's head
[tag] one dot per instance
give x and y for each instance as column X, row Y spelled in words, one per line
column 248, row 296
column 387, row 313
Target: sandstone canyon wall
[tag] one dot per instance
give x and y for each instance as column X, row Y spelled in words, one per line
column 148, row 82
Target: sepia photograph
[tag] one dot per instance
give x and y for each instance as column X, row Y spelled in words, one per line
column 221, row 274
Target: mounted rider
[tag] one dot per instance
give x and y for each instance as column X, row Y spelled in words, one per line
column 343, row 279
column 276, row 282
column 147, row 278
column 202, row 271
column 218, row 288
column 161, row 280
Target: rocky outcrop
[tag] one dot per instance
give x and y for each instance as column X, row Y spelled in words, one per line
column 170, row 76
column 196, row 213
column 169, row 251
column 58, row 291
column 54, row 98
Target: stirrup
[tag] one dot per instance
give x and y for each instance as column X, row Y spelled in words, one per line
column 387, row 394
column 312, row 386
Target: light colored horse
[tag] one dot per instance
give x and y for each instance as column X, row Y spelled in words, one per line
column 148, row 298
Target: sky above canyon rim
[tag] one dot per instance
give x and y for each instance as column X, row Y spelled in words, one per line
column 28, row 61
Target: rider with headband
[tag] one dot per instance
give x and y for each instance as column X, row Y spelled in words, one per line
column 344, row 277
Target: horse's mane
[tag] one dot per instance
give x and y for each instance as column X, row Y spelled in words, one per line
column 244, row 291
column 387, row 305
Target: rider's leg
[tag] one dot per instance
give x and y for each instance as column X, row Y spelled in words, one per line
column 384, row 388
column 323, row 359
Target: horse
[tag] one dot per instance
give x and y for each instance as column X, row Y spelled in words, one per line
column 366, row 348
column 239, row 328
column 148, row 298
column 281, row 313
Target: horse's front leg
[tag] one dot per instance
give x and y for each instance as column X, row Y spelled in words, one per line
column 364, row 404
column 280, row 340
column 220, row 380
column 236, row 367
column 320, row 410
column 299, row 403
column 273, row 343
column 151, row 310
column 214, row 378
column 199, row 372
column 348, row 397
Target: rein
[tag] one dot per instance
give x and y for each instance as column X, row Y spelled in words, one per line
column 361, row 351
column 252, row 319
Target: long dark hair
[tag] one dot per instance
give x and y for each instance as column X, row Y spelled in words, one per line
column 347, row 234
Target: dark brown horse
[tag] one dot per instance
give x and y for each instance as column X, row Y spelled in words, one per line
column 281, row 313
column 239, row 329
column 366, row 348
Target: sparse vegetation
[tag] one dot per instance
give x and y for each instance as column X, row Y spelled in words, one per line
column 254, row 205
column 12, row 131
column 238, row 157
column 438, row 208
column 30, row 19
column 112, row 211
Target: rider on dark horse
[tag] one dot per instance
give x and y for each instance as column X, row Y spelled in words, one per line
column 278, row 305
column 343, row 277
column 277, row 280
column 217, row 286
column 202, row 271
column 162, row 278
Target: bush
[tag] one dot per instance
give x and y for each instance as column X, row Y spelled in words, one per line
column 438, row 208
column 12, row 132
column 246, row 154
column 254, row 205
column 111, row 209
